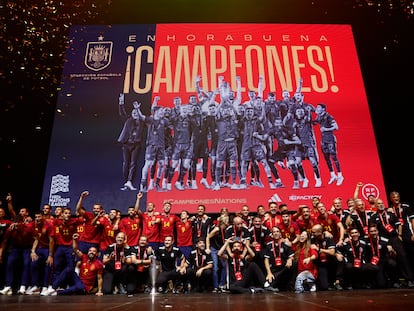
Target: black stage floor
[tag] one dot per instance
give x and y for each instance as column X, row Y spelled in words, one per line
column 355, row 300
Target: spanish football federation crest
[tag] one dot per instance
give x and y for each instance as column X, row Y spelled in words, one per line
column 98, row 54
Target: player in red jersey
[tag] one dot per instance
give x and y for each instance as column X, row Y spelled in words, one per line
column 131, row 225
column 91, row 232
column 184, row 229
column 90, row 274
column 150, row 222
column 168, row 221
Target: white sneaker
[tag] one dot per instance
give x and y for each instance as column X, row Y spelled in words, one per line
column 194, row 185
column 242, row 186
column 305, row 183
column 216, row 187
column 45, row 291
column 340, row 180
column 259, row 184
column 7, row 291
column 313, row 288
column 278, row 184
column 34, row 290
column 318, row 183
column 164, row 183
column 204, row 182
column 234, row 187
column 332, row 180
column 295, row 185
column 151, row 185
column 178, row 186
column 22, row 290
column 200, row 167
column 50, row 292
column 130, row 186
column 169, row 186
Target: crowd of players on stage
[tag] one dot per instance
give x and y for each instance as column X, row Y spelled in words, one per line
column 357, row 244
column 228, row 140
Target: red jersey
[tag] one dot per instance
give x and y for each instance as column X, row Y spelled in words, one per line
column 88, row 272
column 65, row 230
column 21, row 236
column 150, row 228
column 5, row 222
column 132, row 229
column 311, row 267
column 4, row 225
column 330, row 224
column 108, row 234
column 42, row 232
column 290, row 231
column 273, row 221
column 306, row 224
column 167, row 225
column 90, row 233
column 184, row 233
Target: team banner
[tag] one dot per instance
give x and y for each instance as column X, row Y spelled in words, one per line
column 223, row 115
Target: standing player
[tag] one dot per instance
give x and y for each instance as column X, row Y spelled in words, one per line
column 301, row 113
column 150, row 223
column 131, row 225
column 131, row 138
column 202, row 223
column 91, row 231
column 227, row 132
column 184, row 232
column 19, row 237
column 308, row 145
column 253, row 148
column 199, row 142
column 214, row 241
column 41, row 254
column 4, row 225
column 328, row 143
column 167, row 222
column 65, row 228
column 182, row 154
column 155, row 150
column 110, row 229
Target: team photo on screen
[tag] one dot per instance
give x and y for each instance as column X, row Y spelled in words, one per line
column 212, row 114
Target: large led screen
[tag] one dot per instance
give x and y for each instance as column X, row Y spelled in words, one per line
column 222, row 115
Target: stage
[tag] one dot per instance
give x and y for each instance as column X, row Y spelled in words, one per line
column 377, row 300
